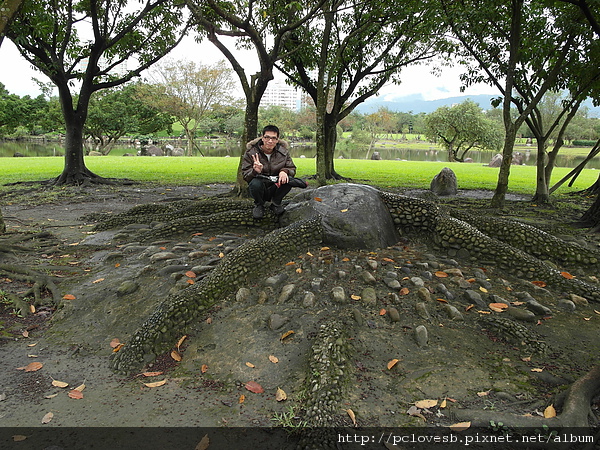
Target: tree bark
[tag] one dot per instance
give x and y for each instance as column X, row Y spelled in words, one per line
column 591, row 218
column 2, row 224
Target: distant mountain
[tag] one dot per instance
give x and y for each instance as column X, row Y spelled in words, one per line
column 415, row 104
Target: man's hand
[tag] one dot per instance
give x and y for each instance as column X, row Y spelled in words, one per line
column 257, row 165
column 283, row 177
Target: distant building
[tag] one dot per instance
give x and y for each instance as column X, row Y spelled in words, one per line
column 279, row 93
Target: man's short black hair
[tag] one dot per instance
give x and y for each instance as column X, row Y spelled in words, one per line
column 272, row 128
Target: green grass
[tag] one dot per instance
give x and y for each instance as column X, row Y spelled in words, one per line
column 198, row 171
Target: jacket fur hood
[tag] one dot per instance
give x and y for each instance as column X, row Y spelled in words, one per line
column 254, row 142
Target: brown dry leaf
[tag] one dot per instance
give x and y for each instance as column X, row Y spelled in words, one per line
column 190, row 281
column 190, row 274
column 155, row 384
column 567, row 275
column 78, row 395
column 25, row 334
column 291, row 263
column 460, row 426
column 31, row 309
column 352, row 416
column 180, row 341
column 345, row 259
column 209, row 320
column 414, row 411
column 286, row 334
column 98, row 280
column 442, row 300
column 535, row 369
column 484, row 312
column 517, row 303
column 309, row 254
column 118, row 347
column 221, row 255
column 483, row 393
column 526, row 359
column 392, row 363
column 344, row 210
column 249, row 364
column 596, row 311
column 549, row 412
column 273, row 359
column 382, row 312
column 118, row 265
column 298, row 270
column 241, row 399
column 404, row 291
column 204, row 368
column 388, row 260
column 482, row 289
column 355, row 297
column 324, row 249
column 114, row 343
column 152, row 374
column 176, row 355
column 48, row 417
column 469, row 307
column 280, row 395
column 441, row 274
column 587, row 318
column 203, row 444
column 498, row 305
column 18, row 438
column 60, row 384
column 318, row 199
column 32, row 345
column 253, row 386
column 51, row 395
column 80, row 388
column 425, row 404
column 539, row 283
column 495, row 308
column 32, row 356
column 31, row 367
column 69, row 297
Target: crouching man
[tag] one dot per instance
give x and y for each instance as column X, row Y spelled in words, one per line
column 269, row 170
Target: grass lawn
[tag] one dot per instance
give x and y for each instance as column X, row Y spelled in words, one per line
column 199, row 170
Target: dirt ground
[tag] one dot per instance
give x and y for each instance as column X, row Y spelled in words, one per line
column 467, row 368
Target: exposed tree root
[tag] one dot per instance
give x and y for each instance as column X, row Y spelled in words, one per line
column 39, row 282
column 575, row 409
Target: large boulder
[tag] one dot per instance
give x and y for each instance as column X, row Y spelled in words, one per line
column 444, row 183
column 353, row 215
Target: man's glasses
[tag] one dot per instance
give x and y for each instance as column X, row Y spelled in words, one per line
column 270, row 138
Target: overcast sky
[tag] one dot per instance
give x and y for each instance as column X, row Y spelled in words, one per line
column 17, row 74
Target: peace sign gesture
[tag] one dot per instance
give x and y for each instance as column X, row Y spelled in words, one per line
column 257, row 165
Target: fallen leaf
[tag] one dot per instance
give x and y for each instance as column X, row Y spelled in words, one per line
column 517, row 303
column 460, row 426
column 392, row 363
column 443, row 404
column 291, row 263
column 414, row 411
column 424, row 404
column 32, row 356
column 78, row 395
column 526, row 358
column 190, row 281
column 203, row 444
column 484, row 312
column 176, row 355
column 69, row 297
column 98, row 280
column 345, row 259
column 298, row 270
column 280, row 395
column 115, row 343
column 155, row 384
column 539, row 283
column 469, row 307
column 568, row 276
column 549, row 412
column 249, row 364
column 152, row 374
column 318, row 199
column 324, row 249
column 80, row 388
column 388, row 260
column 482, row 289
column 209, row 320
column 51, row 395
column 382, row 312
column 32, row 345
column 118, row 265
column 404, row 291
column 31, row 367
column 18, row 438
column 25, row 334
column 535, row 369
column 221, row 255
column 483, row 393
column 587, row 318
column 596, row 311
column 273, row 359
column 441, row 274
column 204, row 368
column 286, row 334
column 442, row 300
column 344, row 210
column 253, row 386
column 241, row 399
column 355, row 297
column 31, row 309
column 118, row 347
column 180, row 341
column 48, row 417
column 190, row 274
column 498, row 306
column 60, row 384
column 309, row 254
column 352, row 416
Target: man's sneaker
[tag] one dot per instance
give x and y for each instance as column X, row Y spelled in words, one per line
column 277, row 209
column 258, row 212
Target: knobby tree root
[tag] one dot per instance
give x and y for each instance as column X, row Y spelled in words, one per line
column 576, row 410
column 39, row 282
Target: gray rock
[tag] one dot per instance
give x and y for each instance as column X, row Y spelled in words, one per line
column 368, row 277
column 242, row 294
column 394, row 315
column 286, row 293
column 276, row 321
column 127, row 287
column 453, row 313
column 538, row 308
column 162, row 256
column 444, row 183
column 421, row 336
column 422, row 311
column 309, row 300
column 566, row 305
column 417, row 281
column 369, row 296
column 316, row 283
column 521, row 314
column 276, row 280
column 354, row 216
column 358, row 317
column 474, row 297
column 338, row 294
column 392, row 283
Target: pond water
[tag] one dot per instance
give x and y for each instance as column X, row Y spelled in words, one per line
column 28, row 148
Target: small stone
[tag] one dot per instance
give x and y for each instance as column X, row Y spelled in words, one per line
column 242, row 294
column 424, row 294
column 338, row 294
column 394, row 315
column 263, row 297
column 316, row 283
column 341, row 274
column 276, row 321
column 455, row 272
column 422, row 310
column 567, row 305
column 358, row 317
column 372, row 264
column 474, row 297
column 309, row 300
column 417, row 281
column 197, row 254
column 521, row 314
column 578, row 300
column 286, row 293
column 162, row 256
column 453, row 313
column 368, row 277
column 276, row 280
column 392, row 283
column 538, row 308
column 369, row 296
column 421, row 336
column 127, row 287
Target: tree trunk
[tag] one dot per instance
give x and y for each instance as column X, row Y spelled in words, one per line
column 2, row 224
column 591, row 218
column 507, row 153
column 542, row 192
column 249, row 133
